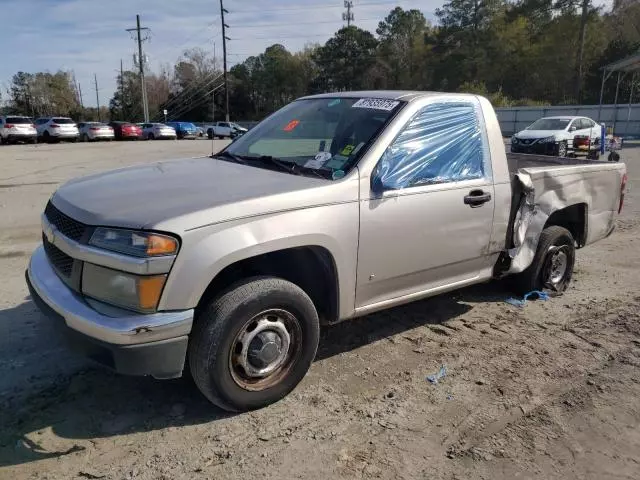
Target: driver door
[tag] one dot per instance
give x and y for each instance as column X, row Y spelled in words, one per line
column 429, row 229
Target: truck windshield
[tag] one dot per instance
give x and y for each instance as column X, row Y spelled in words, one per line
column 549, row 124
column 318, row 136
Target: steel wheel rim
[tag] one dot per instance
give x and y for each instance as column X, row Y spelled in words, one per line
column 557, row 265
column 265, row 349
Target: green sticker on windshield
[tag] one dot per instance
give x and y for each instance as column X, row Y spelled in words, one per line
column 334, row 102
column 347, row 150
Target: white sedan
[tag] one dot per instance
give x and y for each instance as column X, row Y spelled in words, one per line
column 556, row 135
column 152, row 131
column 93, row 131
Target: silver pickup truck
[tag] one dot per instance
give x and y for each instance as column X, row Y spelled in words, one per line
column 335, row 206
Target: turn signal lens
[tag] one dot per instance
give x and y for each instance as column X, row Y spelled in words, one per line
column 149, row 290
column 161, row 245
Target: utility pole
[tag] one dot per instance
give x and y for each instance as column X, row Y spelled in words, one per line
column 95, row 79
column 580, row 53
column 348, row 15
column 80, row 95
column 121, row 80
column 224, row 60
column 138, row 30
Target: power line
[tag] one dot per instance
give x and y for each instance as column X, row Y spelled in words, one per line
column 319, row 6
column 257, row 25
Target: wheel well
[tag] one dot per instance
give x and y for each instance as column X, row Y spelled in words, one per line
column 311, row 268
column 574, row 219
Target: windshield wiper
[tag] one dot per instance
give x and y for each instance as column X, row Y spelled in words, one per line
column 235, row 158
column 282, row 165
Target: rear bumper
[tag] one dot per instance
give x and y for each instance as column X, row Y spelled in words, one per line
column 129, row 343
column 21, row 136
column 64, row 134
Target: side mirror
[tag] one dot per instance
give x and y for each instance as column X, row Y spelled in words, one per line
column 377, row 187
column 572, row 128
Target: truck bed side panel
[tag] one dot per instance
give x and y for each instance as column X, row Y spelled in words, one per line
column 550, row 188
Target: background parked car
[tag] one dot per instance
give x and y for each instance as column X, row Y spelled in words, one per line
column 54, row 129
column 555, row 136
column 90, row 131
column 126, row 130
column 225, row 130
column 17, row 129
column 184, row 129
column 151, row 131
column 200, row 132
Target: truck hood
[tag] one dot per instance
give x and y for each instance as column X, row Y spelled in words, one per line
column 184, row 194
column 529, row 134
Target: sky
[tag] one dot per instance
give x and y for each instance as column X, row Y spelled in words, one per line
column 89, row 37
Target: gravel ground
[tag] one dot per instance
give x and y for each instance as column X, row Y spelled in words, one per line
column 547, row 391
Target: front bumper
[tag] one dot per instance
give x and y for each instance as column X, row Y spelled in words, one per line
column 550, row 148
column 127, row 342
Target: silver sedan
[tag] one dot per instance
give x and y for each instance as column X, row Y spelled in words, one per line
column 93, row 131
column 152, row 131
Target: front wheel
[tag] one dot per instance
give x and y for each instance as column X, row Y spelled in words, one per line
column 562, row 149
column 254, row 343
column 552, row 266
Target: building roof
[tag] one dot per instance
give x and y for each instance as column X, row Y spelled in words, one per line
column 629, row 64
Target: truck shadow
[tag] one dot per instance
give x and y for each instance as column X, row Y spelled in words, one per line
column 69, row 413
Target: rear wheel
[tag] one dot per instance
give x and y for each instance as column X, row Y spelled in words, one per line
column 552, row 266
column 254, row 343
column 46, row 137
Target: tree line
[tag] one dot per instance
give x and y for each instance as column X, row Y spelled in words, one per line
column 515, row 52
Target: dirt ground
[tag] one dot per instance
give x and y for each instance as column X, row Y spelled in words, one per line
column 547, row 391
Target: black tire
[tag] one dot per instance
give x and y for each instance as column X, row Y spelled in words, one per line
column 224, row 319
column 85, row 138
column 33, row 141
column 151, row 136
column 554, row 241
column 73, row 140
column 594, row 155
column 46, row 137
column 562, row 149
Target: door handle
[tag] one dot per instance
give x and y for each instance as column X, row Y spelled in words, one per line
column 477, row 198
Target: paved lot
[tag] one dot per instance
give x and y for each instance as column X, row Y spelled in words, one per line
column 548, row 391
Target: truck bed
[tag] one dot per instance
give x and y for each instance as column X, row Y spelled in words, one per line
column 516, row 161
column 542, row 185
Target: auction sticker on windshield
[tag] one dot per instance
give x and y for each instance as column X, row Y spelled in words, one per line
column 376, row 104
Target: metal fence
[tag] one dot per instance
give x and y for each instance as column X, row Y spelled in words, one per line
column 625, row 119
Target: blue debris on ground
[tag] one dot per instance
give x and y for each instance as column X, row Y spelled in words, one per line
column 536, row 294
column 437, row 376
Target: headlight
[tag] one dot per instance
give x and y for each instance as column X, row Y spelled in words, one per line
column 135, row 292
column 514, row 140
column 548, row 140
column 136, row 244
